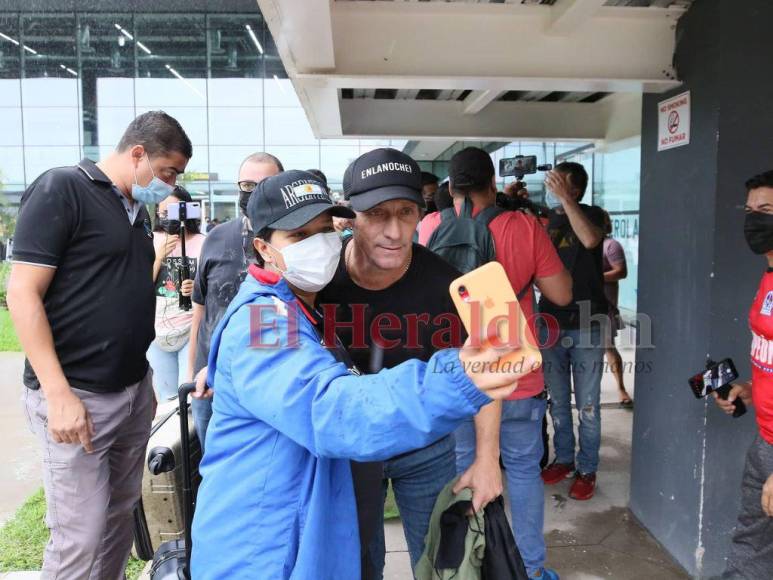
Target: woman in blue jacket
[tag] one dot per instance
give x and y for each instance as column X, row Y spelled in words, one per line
column 276, row 500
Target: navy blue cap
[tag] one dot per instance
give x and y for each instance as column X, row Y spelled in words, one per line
column 289, row 200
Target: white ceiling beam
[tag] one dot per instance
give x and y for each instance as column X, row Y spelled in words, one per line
column 291, row 20
column 404, row 39
column 481, row 83
column 500, row 121
column 476, row 101
column 302, row 31
column 569, row 16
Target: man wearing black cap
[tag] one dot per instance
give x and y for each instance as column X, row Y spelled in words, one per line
column 276, row 498
column 526, row 253
column 390, row 302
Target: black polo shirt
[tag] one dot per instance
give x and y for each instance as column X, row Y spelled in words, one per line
column 100, row 303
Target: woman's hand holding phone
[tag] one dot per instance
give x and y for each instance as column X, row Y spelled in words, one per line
column 498, row 381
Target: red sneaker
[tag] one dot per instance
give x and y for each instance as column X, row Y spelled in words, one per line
column 584, row 486
column 556, row 472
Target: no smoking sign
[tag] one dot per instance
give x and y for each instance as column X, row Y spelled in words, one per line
column 674, row 122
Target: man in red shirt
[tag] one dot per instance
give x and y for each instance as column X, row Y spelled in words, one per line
column 751, row 554
column 525, row 251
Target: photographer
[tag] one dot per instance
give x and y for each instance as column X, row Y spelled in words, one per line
column 81, row 299
column 575, row 351
column 168, row 353
column 751, row 554
column 528, row 257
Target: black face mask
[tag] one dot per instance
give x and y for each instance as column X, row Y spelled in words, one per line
column 758, row 230
column 244, row 197
column 171, row 227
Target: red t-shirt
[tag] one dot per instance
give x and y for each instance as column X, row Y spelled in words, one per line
column 761, row 323
column 524, row 249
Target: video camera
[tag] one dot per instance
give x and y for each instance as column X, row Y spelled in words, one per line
column 519, row 167
column 179, row 213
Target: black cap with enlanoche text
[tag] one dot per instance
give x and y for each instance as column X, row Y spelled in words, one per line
column 382, row 175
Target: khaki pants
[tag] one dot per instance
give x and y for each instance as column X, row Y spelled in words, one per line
column 90, row 497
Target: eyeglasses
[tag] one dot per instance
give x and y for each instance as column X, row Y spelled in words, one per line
column 247, row 186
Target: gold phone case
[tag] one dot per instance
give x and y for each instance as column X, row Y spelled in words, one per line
column 485, row 301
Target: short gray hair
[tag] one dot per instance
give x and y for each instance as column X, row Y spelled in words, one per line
column 262, row 157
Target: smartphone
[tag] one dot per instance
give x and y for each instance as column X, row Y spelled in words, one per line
column 490, row 312
column 190, row 210
column 715, row 377
column 518, row 166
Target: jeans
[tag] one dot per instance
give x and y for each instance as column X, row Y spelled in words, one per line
column 417, row 480
column 202, row 413
column 521, row 451
column 170, row 370
column 578, row 355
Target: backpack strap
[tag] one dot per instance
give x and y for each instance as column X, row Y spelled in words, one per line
column 447, row 214
column 488, row 214
column 525, row 290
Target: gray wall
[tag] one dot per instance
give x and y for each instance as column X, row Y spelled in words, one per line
column 697, row 279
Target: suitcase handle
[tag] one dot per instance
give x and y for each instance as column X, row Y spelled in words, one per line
column 182, row 398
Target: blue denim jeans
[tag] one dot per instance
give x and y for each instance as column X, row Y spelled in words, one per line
column 521, row 450
column 169, row 370
column 417, row 480
column 576, row 356
column 202, row 413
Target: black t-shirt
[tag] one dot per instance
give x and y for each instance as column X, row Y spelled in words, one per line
column 222, row 269
column 584, row 265
column 416, row 314
column 100, row 303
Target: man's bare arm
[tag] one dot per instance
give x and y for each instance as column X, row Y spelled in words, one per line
column 68, row 420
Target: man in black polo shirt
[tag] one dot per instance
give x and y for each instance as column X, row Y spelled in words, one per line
column 390, row 302
column 81, row 298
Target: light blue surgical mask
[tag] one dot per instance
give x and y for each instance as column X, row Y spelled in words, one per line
column 551, row 200
column 153, row 192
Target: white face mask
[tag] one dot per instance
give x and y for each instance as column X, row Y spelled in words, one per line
column 311, row 263
column 551, row 200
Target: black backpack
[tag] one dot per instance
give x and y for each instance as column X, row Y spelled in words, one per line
column 464, row 241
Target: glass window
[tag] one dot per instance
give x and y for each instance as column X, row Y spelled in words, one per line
column 10, row 121
column 236, row 47
column 297, row 157
column 11, row 167
column 288, row 126
column 335, row 160
column 107, row 76
column 235, row 92
column 236, row 126
column 173, row 66
column 224, row 162
column 40, row 159
column 192, row 119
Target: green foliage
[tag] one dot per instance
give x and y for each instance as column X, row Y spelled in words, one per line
column 9, row 342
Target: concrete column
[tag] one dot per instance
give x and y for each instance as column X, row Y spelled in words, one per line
column 697, row 279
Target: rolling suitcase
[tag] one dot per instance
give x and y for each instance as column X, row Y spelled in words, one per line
column 172, row 559
column 159, row 516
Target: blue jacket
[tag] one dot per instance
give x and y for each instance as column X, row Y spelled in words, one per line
column 277, row 500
